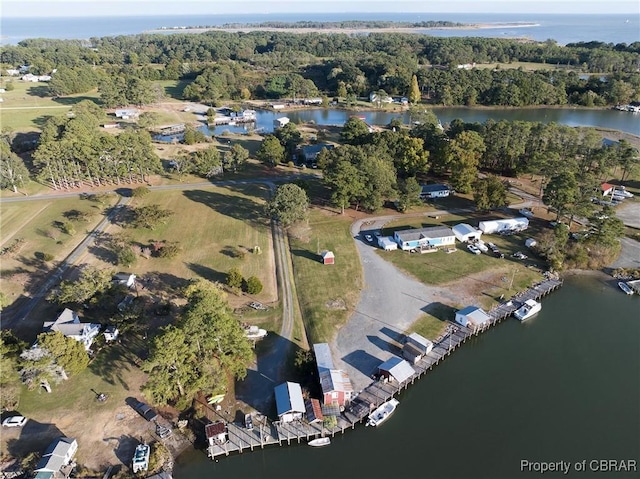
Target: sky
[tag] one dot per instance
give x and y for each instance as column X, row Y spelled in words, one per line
column 63, row 8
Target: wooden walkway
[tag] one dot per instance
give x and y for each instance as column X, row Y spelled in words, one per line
column 266, row 432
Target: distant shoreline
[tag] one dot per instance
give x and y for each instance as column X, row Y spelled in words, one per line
column 399, row 29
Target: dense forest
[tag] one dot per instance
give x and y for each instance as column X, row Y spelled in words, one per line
column 224, row 65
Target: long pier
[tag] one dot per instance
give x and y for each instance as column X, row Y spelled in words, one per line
column 266, row 432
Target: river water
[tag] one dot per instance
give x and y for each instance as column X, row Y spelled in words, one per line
column 610, row 119
column 563, row 386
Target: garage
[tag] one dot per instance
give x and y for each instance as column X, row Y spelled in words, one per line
column 387, row 243
column 466, row 233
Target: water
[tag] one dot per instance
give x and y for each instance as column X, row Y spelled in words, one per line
column 565, row 385
column 562, row 28
column 611, row 119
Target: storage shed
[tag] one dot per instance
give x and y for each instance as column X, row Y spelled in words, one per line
column 507, row 224
column 289, row 402
column 466, row 233
column 387, row 243
column 472, row 317
column 327, row 257
column 415, row 347
column 396, row 368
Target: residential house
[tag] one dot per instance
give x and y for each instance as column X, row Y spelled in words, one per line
column 312, row 101
column 425, row 238
column 396, row 369
column 55, row 459
column 504, row 225
column 472, row 317
column 335, row 383
column 380, row 97
column 289, row 402
column 68, row 323
column 246, row 115
column 278, row 106
column 309, row 154
column 466, row 233
column 216, row 433
column 280, row 122
column 126, row 279
column 127, row 114
column 434, row 191
column 415, row 347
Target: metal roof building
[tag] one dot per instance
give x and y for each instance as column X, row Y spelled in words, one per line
column 397, row 368
column 289, row 401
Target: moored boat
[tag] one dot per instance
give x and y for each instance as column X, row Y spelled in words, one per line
column 141, row 458
column 321, row 441
column 528, row 309
column 625, row 287
column 383, row 412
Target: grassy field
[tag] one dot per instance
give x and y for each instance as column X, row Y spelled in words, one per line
column 28, row 106
column 34, row 222
column 429, row 326
column 327, row 293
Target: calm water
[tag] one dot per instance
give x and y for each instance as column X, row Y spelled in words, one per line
column 562, row 28
column 612, row 119
column 565, row 385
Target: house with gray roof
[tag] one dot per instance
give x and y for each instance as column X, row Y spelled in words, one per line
column 58, row 455
column 397, row 369
column 429, row 238
column 68, row 323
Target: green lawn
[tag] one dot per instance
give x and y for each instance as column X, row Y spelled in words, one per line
column 327, row 294
column 431, row 326
column 34, row 222
column 212, row 225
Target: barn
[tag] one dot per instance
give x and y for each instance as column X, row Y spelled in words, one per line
column 328, row 257
column 500, row 226
column 466, row 233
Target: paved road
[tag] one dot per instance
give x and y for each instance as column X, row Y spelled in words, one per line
column 57, row 274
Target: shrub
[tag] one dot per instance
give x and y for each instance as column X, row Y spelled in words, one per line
column 170, row 250
column 234, row 279
column 67, row 228
column 45, row 256
column 254, row 286
column 140, row 192
column 126, row 256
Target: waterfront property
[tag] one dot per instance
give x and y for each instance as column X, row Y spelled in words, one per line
column 396, row 369
column 429, row 238
column 289, row 402
column 335, row 383
column 309, row 154
column 56, row 460
column 68, row 323
column 415, row 347
column 280, row 122
column 472, row 317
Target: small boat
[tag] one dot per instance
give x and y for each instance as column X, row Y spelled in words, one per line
column 528, row 309
column 141, row 458
column 383, row 412
column 321, row 441
column 625, row 287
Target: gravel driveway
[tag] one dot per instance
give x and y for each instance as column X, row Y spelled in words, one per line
column 389, row 303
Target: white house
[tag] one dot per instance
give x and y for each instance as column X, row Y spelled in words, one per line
column 415, row 347
column 58, row 455
column 68, row 323
column 379, row 97
column 126, row 279
column 387, row 243
column 289, row 402
column 278, row 106
column 396, row 368
column 434, row 191
column 280, row 122
column 472, row 317
column 127, row 114
column 499, row 226
column 425, row 238
column 466, row 233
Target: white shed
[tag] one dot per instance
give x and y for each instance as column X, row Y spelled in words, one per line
column 472, row 317
column 530, row 243
column 507, row 224
column 465, row 233
column 387, row 243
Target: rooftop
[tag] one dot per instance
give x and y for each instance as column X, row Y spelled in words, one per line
column 431, row 232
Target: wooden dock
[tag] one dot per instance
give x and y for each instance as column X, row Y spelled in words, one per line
column 266, row 432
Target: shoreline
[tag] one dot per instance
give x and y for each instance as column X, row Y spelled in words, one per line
column 334, row 30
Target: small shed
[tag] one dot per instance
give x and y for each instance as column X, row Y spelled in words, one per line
column 466, row 233
column 216, row 433
column 472, row 317
column 328, row 257
column 606, row 188
column 387, row 243
column 530, row 243
column 289, row 402
column 396, row 368
column 280, row 122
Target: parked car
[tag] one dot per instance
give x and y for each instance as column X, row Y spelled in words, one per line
column 519, row 255
column 15, row 421
column 473, row 249
column 526, row 212
column 481, row 246
column 144, row 410
column 369, row 238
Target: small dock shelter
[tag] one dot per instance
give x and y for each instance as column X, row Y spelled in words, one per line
column 425, row 238
column 289, row 402
column 472, row 317
column 466, row 233
column 396, row 368
column 415, row 347
column 507, row 224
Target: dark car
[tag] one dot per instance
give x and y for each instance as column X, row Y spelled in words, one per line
column 144, row 410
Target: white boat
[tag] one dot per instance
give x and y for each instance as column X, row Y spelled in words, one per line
column 321, row 441
column 254, row 332
column 141, row 458
column 528, row 309
column 383, row 412
column 625, row 287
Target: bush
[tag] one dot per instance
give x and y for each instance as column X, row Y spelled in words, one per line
column 140, row 192
column 170, row 250
column 254, row 286
column 126, row 256
column 67, row 228
column 44, row 256
column 234, row 279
